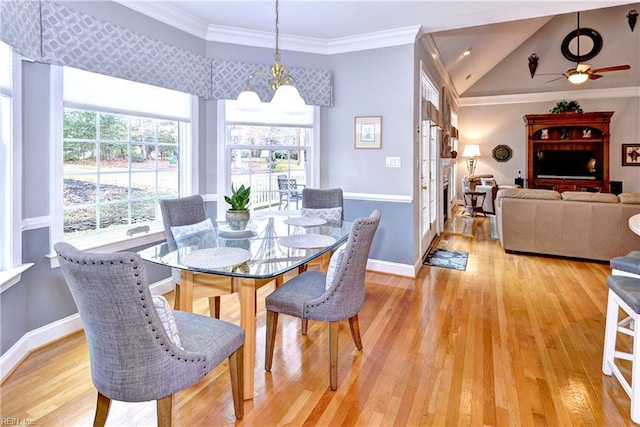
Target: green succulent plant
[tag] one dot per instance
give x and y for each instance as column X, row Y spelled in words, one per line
column 565, row 106
column 240, row 198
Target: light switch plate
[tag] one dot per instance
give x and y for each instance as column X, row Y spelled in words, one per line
column 392, row 162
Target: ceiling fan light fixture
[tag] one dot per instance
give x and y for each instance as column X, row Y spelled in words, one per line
column 577, row 77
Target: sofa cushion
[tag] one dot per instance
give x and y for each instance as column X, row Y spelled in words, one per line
column 633, row 198
column 528, row 193
column 584, row 196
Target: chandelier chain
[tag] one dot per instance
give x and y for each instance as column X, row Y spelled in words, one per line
column 276, row 55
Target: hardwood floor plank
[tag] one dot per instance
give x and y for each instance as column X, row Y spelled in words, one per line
column 512, row 340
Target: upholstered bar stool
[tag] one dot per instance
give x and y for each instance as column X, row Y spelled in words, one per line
column 624, row 293
column 628, row 265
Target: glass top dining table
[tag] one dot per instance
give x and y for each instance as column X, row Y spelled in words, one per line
column 269, row 247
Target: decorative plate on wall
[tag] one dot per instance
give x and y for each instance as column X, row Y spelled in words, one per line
column 502, row 153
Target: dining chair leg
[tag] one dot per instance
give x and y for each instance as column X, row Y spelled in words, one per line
column 214, row 307
column 176, row 299
column 355, row 331
column 271, row 326
column 304, row 325
column 164, row 411
column 102, row 410
column 333, row 355
column 236, row 363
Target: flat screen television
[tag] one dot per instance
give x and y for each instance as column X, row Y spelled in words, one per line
column 566, row 164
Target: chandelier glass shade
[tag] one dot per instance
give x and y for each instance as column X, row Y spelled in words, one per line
column 286, row 96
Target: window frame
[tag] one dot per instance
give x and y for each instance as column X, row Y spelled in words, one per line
column 11, row 266
column 224, row 173
column 117, row 240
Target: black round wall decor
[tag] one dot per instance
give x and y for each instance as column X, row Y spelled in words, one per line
column 593, row 35
column 502, row 153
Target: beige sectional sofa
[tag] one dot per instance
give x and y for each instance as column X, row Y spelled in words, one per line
column 572, row 224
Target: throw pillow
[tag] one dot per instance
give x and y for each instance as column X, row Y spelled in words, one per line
column 165, row 314
column 186, row 230
column 330, row 214
column 200, row 234
column 488, row 181
column 336, row 260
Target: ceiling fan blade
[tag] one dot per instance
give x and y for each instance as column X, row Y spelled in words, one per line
column 594, row 76
column 549, row 74
column 614, row 68
column 553, row 80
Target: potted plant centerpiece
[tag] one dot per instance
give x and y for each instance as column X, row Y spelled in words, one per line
column 238, row 215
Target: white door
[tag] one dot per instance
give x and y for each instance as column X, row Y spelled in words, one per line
column 428, row 170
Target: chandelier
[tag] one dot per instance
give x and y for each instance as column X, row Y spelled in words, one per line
column 286, row 95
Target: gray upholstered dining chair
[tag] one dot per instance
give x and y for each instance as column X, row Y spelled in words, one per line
column 185, row 211
column 331, row 297
column 138, row 352
column 327, row 203
column 323, row 198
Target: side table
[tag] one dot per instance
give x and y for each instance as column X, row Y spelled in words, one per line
column 473, row 202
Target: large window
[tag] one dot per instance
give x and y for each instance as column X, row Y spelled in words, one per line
column 271, row 152
column 123, row 149
column 10, row 160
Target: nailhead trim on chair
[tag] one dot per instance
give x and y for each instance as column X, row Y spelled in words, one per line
column 144, row 306
column 348, row 262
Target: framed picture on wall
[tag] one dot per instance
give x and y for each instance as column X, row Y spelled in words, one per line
column 630, row 154
column 368, row 132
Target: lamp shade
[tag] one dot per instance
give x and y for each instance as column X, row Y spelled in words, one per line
column 471, row 150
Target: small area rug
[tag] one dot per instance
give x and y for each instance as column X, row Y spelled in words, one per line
column 447, row 259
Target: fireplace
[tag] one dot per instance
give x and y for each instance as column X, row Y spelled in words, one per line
column 445, row 204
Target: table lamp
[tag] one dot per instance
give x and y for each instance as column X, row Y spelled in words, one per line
column 471, row 151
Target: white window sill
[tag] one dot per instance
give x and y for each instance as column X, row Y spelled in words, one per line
column 10, row 277
column 114, row 243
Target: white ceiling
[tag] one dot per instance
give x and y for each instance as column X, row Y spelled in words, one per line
column 457, row 25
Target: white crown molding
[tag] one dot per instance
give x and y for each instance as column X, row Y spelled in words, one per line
column 525, row 98
column 169, row 14
column 266, row 39
column 377, row 40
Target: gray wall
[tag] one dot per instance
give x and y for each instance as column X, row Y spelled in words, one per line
column 362, row 86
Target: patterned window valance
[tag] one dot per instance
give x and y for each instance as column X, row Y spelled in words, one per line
column 229, row 79
column 81, row 41
column 53, row 33
column 20, row 26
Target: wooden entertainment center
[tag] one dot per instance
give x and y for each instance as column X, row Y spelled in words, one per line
column 586, row 134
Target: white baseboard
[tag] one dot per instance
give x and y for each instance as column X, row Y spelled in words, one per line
column 37, row 338
column 392, row 268
column 54, row 331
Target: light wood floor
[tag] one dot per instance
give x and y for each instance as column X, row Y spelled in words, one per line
column 513, row 340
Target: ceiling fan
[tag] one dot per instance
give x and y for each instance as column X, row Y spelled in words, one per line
column 582, row 71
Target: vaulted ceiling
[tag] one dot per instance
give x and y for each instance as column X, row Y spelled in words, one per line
column 491, row 29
